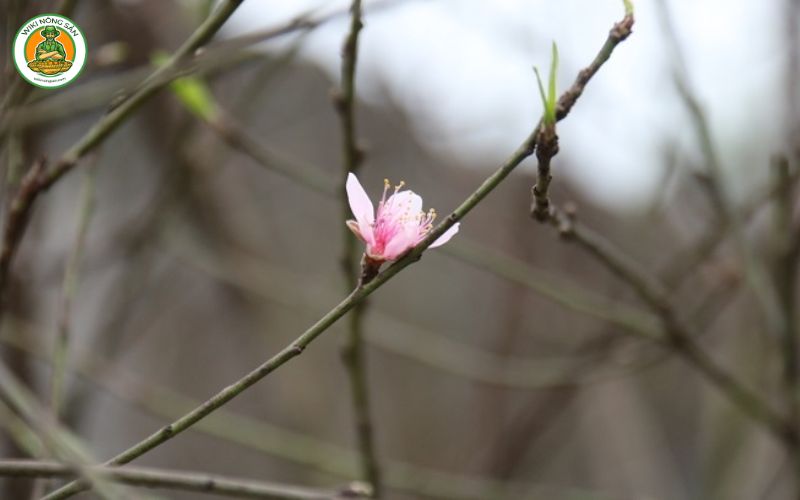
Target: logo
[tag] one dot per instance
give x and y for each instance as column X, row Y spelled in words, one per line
column 49, row 51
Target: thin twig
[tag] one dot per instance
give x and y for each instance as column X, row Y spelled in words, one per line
column 212, row 58
column 353, row 353
column 785, row 265
column 478, row 255
column 19, row 91
column 547, row 140
column 684, row 263
column 182, row 480
column 17, row 215
column 755, row 272
column 39, row 178
column 570, row 295
column 263, row 437
column 256, row 277
column 678, row 336
column 180, row 64
column 294, row 349
column 68, row 290
column 60, row 443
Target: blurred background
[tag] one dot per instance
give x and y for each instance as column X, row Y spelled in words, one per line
column 506, row 364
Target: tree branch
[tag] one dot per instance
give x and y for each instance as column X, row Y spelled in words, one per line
column 39, row 178
column 295, row 348
column 181, row 480
column 677, row 336
column 547, row 140
column 263, row 437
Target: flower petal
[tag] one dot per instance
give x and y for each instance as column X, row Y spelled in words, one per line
column 444, row 238
column 353, row 226
column 399, row 244
column 404, row 202
column 361, row 206
column 360, row 203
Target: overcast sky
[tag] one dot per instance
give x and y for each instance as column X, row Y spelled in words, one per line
column 462, row 68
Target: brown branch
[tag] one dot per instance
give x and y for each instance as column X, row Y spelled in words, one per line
column 547, row 139
column 785, row 263
column 39, row 178
column 678, row 336
column 16, row 220
column 296, row 347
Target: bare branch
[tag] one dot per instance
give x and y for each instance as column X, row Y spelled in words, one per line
column 186, row 481
column 295, row 348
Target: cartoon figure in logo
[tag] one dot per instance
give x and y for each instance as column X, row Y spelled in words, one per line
column 50, row 50
column 51, row 58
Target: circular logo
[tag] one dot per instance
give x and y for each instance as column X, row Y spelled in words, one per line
column 49, row 50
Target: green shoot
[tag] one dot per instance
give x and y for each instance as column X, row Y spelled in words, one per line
column 549, row 98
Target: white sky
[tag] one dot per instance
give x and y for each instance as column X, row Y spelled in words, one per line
column 462, row 68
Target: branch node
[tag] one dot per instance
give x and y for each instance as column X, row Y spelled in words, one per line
column 369, row 269
column 546, row 149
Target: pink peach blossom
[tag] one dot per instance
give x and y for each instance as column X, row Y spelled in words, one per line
column 398, row 225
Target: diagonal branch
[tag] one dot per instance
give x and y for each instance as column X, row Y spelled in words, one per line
column 39, row 178
column 295, row 348
column 547, row 139
column 677, row 336
column 35, row 426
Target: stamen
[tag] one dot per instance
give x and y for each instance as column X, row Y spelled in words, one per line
column 386, row 185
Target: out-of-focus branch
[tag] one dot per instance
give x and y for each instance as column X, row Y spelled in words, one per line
column 714, row 183
column 480, row 256
column 786, row 259
column 19, row 90
column 558, row 289
column 69, row 288
column 677, row 336
column 755, row 272
column 184, row 481
column 684, row 263
column 35, row 425
column 212, row 58
column 472, row 253
column 40, row 178
column 16, row 220
column 353, row 353
column 263, row 437
column 295, row 348
column 258, row 278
